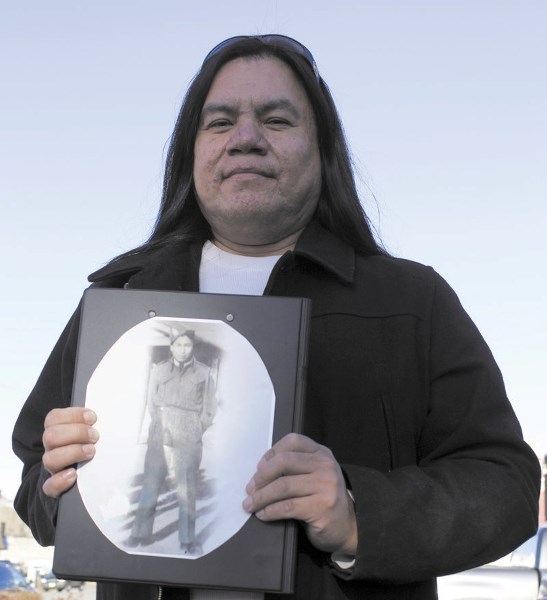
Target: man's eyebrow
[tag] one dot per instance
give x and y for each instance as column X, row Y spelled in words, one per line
column 218, row 107
column 278, row 103
column 233, row 109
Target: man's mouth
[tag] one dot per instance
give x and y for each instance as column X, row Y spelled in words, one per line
column 247, row 173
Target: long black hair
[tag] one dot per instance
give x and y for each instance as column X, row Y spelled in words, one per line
column 339, row 208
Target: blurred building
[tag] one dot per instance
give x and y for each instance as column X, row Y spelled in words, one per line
column 17, row 544
column 542, row 498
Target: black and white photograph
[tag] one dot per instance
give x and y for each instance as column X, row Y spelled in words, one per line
column 187, row 411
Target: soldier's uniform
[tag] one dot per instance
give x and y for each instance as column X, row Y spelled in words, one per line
column 181, row 401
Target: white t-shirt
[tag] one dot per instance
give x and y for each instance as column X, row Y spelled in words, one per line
column 222, row 272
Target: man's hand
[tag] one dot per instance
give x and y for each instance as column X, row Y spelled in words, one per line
column 299, row 479
column 68, row 438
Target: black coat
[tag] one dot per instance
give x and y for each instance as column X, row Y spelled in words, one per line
column 401, row 387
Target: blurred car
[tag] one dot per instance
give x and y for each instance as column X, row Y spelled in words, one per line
column 76, row 585
column 14, row 585
column 521, row 575
column 50, row 581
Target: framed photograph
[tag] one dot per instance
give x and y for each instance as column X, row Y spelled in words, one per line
column 190, row 390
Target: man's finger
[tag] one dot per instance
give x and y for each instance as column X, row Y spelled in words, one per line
column 72, row 414
column 58, row 459
column 282, row 463
column 57, row 436
column 292, row 451
column 59, row 483
column 293, row 442
column 280, row 489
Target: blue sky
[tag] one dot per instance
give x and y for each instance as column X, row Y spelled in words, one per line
column 444, row 103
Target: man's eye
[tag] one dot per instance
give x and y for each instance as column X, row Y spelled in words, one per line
column 277, row 121
column 219, row 124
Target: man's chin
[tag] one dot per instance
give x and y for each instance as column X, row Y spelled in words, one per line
column 262, row 234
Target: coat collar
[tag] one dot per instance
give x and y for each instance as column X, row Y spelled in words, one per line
column 315, row 244
column 323, row 247
column 163, row 267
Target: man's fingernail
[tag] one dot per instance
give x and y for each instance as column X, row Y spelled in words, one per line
column 261, row 462
column 69, row 474
column 89, row 416
column 93, row 434
column 88, row 450
column 247, row 504
column 250, row 487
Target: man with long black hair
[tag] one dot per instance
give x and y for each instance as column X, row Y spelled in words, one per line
column 411, row 463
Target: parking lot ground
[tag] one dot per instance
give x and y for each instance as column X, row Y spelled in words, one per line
column 86, row 593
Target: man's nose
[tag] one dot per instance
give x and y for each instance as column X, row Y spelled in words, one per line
column 247, row 137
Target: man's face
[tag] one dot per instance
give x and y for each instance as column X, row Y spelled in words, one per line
column 257, row 168
column 182, row 349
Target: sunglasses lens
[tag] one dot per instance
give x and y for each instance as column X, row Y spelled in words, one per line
column 224, row 44
column 281, row 41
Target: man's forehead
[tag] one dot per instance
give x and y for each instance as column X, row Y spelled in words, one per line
column 256, row 78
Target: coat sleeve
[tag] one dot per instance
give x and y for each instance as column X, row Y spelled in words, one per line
column 209, row 408
column 472, row 495
column 52, row 390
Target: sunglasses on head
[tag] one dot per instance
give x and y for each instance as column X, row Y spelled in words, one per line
column 281, row 41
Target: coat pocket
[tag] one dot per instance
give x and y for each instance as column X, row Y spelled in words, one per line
column 390, row 429
column 399, row 432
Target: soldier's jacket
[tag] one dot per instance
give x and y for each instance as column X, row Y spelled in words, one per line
column 181, row 400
